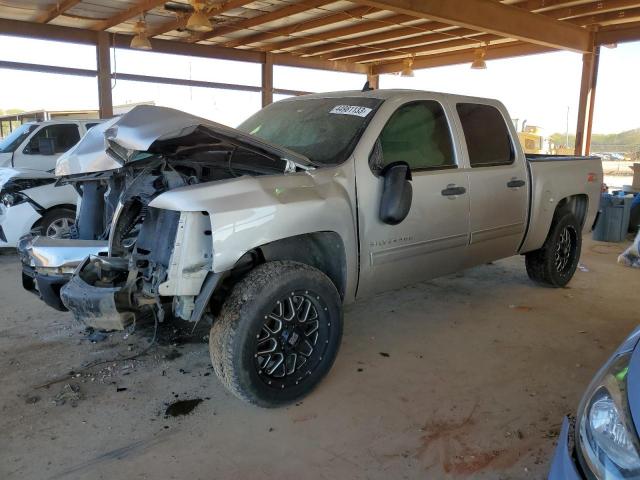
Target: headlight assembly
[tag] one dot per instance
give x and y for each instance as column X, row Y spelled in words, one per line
column 14, row 198
column 607, row 442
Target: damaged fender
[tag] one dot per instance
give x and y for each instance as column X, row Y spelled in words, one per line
column 249, row 212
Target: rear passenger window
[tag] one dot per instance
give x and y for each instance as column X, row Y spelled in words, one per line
column 417, row 133
column 487, row 135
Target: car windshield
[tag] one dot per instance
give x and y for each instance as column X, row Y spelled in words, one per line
column 15, row 138
column 325, row 130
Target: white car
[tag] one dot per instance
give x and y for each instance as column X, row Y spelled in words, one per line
column 37, row 145
column 30, row 200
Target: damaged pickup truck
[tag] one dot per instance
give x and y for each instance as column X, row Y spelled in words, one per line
column 312, row 203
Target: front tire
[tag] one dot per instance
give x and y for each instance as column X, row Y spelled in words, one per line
column 277, row 334
column 554, row 264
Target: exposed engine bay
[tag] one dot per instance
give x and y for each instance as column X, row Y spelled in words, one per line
column 141, row 260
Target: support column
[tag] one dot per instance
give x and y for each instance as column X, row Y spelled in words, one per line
column 586, row 102
column 267, row 80
column 374, row 81
column 103, row 54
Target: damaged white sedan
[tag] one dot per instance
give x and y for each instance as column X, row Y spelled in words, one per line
column 313, row 202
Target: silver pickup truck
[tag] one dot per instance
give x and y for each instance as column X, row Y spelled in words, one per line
column 312, row 203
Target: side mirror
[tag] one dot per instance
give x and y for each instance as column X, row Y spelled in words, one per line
column 47, row 146
column 397, row 193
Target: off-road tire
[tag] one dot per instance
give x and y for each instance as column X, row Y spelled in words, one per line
column 542, row 265
column 53, row 216
column 236, row 332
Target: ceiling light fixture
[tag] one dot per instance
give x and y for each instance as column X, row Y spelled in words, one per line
column 140, row 41
column 407, row 67
column 479, row 55
column 199, row 21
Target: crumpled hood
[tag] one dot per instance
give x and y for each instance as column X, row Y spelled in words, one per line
column 112, row 144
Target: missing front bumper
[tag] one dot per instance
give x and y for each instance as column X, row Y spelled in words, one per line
column 99, row 305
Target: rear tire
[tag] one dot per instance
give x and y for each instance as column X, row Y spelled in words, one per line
column 277, row 334
column 554, row 264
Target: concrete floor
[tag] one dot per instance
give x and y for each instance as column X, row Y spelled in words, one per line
column 467, row 376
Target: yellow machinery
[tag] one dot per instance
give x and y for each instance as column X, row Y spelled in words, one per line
column 533, row 140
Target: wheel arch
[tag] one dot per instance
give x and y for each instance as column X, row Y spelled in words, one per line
column 542, row 223
column 64, row 206
column 577, row 204
column 324, row 250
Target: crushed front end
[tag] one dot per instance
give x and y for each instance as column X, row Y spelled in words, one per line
column 126, row 258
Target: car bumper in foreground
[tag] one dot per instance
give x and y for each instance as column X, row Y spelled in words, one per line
column 563, row 466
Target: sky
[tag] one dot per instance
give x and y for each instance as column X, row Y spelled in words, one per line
column 542, row 89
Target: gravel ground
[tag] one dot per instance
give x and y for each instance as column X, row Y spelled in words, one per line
column 466, row 376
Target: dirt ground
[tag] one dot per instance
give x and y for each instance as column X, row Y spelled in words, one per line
column 467, row 376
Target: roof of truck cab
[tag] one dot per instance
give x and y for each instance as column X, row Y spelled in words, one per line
column 391, row 93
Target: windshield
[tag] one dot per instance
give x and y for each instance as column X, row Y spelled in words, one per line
column 325, row 130
column 15, row 138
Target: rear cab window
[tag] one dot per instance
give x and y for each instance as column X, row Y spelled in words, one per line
column 417, row 133
column 487, row 135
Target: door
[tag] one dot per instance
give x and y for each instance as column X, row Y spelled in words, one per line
column 43, row 148
column 432, row 239
column 498, row 184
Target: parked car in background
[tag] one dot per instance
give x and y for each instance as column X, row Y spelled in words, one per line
column 28, row 194
column 602, row 441
column 313, row 202
column 37, row 145
column 30, row 200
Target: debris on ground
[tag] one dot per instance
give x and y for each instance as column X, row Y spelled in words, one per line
column 631, row 256
column 384, row 354
column 70, row 393
column 182, row 407
column 582, row 268
column 97, row 336
column 172, row 354
column 521, row 308
column 31, row 399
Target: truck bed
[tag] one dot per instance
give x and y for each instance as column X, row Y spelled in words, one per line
column 544, row 157
column 554, row 177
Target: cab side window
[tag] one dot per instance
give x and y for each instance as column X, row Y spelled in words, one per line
column 488, row 140
column 64, row 136
column 418, row 134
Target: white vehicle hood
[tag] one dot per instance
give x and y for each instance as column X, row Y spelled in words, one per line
column 112, row 144
column 7, row 174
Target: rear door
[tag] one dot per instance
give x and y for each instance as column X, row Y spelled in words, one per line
column 432, row 239
column 498, row 183
column 63, row 136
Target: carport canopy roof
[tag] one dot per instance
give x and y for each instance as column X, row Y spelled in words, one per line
column 360, row 36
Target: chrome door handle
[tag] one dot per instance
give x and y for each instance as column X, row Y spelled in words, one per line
column 453, row 190
column 515, row 183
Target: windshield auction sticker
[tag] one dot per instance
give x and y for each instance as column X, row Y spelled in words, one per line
column 351, row 110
